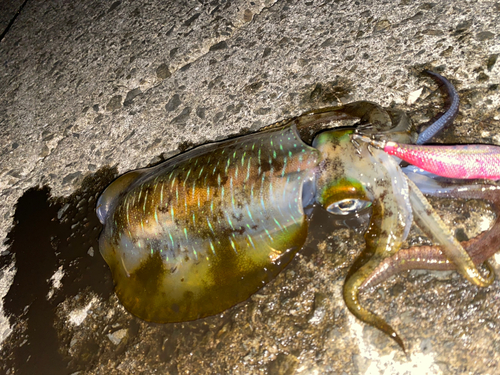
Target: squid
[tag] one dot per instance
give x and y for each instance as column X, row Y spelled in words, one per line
column 208, row 228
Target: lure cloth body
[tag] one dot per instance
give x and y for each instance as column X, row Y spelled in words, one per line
column 475, row 161
column 463, row 161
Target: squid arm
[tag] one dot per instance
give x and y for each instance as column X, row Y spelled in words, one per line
column 432, row 225
column 388, row 228
column 480, row 248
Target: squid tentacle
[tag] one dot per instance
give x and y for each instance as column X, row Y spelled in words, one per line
column 356, row 279
column 480, row 248
column 389, row 225
column 429, row 258
column 352, row 287
column 432, row 225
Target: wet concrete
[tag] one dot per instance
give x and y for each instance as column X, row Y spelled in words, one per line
column 56, row 233
column 92, row 85
column 52, row 234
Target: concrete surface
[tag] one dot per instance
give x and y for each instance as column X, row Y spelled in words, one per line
column 92, row 88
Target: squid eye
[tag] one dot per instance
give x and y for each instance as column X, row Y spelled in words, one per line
column 348, row 206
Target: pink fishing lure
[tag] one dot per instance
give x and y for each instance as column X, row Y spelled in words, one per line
column 461, row 161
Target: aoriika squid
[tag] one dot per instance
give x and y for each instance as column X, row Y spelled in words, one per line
column 205, row 230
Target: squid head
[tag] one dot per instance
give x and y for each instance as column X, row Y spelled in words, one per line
column 347, row 182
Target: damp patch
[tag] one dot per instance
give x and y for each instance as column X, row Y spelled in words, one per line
column 51, row 257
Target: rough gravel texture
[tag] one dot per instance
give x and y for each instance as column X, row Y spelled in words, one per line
column 89, row 89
